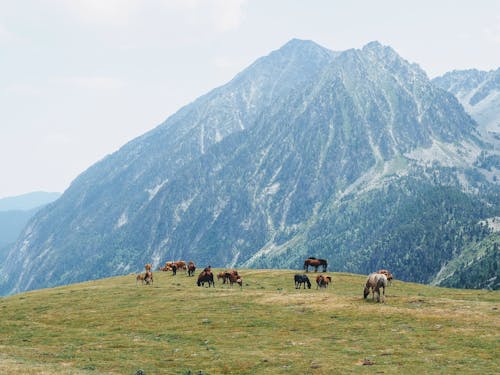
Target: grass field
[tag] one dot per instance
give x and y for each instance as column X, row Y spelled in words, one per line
column 110, row 326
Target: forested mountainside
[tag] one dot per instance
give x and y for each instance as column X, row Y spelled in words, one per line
column 354, row 156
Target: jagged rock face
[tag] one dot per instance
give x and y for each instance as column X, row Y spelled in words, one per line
column 479, row 93
column 243, row 175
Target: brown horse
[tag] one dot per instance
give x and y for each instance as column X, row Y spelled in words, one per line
column 191, row 268
column 323, row 281
column 234, row 277
column 147, row 278
column 314, row 262
column 224, row 275
column 206, row 276
column 179, row 265
column 166, row 267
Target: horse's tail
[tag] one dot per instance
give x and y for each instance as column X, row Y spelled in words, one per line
column 308, row 283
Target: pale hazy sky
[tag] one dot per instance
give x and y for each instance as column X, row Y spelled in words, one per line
column 80, row 78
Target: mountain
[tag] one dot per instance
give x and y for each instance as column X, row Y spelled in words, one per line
column 12, row 223
column 16, row 211
column 353, row 156
column 479, row 93
column 27, row 201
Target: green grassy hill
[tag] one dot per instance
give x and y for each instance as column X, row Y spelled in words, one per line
column 112, row 326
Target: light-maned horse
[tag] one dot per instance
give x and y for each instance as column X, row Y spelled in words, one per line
column 314, row 262
column 387, row 274
column 375, row 282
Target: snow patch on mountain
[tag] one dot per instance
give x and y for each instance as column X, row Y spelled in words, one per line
column 153, row 191
column 122, row 220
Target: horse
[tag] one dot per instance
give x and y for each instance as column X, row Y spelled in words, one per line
column 191, row 269
column 148, row 267
column 234, row 277
column 302, row 279
column 167, row 267
column 146, row 278
column 375, row 281
column 181, row 265
column 323, row 281
column 206, row 277
column 224, row 276
column 387, row 274
column 313, row 262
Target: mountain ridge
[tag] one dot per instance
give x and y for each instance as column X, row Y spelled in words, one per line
column 256, row 167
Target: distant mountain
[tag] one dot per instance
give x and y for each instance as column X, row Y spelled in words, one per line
column 12, row 223
column 16, row 211
column 27, row 201
column 479, row 93
column 353, row 156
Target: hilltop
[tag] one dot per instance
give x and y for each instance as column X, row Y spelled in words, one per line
column 112, row 326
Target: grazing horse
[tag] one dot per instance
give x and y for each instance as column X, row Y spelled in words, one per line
column 206, row 277
column 234, row 277
column 323, row 281
column 387, row 274
column 302, row 279
column 191, row 268
column 224, row 276
column 313, row 262
column 146, row 278
column 374, row 282
column 179, row 265
column 167, row 266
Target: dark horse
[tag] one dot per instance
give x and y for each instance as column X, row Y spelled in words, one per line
column 206, row 277
column 302, row 279
column 191, row 269
column 313, row 262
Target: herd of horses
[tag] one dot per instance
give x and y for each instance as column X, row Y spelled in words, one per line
column 375, row 283
column 205, row 277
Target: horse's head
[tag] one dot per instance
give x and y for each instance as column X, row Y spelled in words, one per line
column 366, row 292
